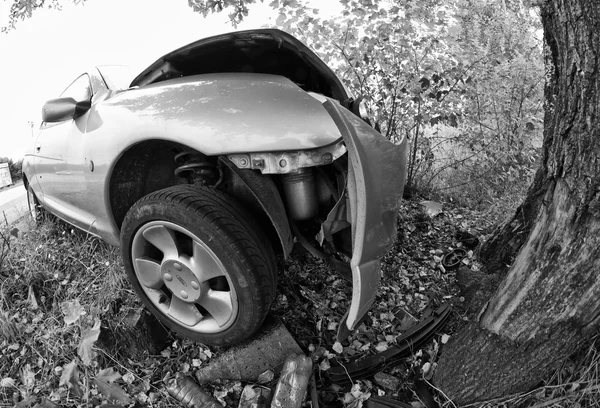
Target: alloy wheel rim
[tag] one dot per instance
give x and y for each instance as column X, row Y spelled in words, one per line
column 183, row 277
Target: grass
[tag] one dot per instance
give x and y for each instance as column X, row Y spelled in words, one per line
column 47, row 270
column 43, row 269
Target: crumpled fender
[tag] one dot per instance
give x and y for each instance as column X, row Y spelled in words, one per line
column 376, row 178
column 217, row 114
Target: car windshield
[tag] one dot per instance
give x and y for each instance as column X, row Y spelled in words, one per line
column 117, row 77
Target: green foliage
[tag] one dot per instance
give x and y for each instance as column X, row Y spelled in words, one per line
column 462, row 80
column 61, row 291
column 15, row 168
column 22, row 9
column 239, row 8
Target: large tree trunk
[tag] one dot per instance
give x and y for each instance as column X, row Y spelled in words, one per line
column 549, row 300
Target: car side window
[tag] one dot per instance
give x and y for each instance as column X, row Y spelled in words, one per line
column 80, row 89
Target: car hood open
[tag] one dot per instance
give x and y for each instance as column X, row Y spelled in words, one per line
column 267, row 51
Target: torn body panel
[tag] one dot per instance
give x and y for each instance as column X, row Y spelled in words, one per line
column 260, row 194
column 376, row 177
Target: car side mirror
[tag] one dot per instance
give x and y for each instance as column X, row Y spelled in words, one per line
column 61, row 109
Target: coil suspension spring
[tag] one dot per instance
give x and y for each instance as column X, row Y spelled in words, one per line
column 197, row 168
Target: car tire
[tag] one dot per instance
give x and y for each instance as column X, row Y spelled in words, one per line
column 36, row 212
column 200, row 263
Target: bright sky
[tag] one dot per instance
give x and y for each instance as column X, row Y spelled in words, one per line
column 46, row 52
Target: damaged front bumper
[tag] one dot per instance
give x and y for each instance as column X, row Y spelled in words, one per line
column 376, row 178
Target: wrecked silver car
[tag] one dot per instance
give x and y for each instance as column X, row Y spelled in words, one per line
column 217, row 157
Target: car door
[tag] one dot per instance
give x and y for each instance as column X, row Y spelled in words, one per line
column 60, row 174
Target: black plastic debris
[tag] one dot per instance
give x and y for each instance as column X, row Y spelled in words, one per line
column 382, row 402
column 469, row 240
column 408, row 342
column 453, row 258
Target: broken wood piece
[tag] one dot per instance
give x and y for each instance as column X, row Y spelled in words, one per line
column 267, row 350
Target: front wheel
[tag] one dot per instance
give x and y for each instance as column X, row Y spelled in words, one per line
column 35, row 210
column 199, row 263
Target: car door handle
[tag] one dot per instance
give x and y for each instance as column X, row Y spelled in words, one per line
column 38, row 147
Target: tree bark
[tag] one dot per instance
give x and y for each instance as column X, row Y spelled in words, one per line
column 501, row 249
column 549, row 300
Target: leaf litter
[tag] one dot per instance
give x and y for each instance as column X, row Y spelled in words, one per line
column 68, row 293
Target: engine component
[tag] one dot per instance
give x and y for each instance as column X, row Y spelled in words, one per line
column 288, row 162
column 196, row 168
column 301, row 194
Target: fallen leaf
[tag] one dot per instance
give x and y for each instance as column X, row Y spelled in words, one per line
column 431, row 208
column 337, row 347
column 220, row 396
column 72, row 311
column 46, row 403
column 381, row 346
column 31, row 297
column 406, row 322
column 70, row 378
column 7, row 382
column 133, row 317
column 141, row 397
column 108, row 375
column 387, row 381
column 27, row 376
column 266, row 377
column 88, row 338
column 445, row 338
column 105, row 383
column 129, row 377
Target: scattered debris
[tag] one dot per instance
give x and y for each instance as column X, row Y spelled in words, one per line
column 431, row 208
column 266, row 377
column 422, row 389
column 267, row 350
column 382, row 402
column 293, row 382
column 185, row 390
column 467, row 239
column 406, row 343
column 105, row 381
column 387, row 381
column 453, row 258
column 255, row 396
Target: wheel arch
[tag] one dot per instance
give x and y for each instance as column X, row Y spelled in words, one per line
column 144, row 167
column 149, row 166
